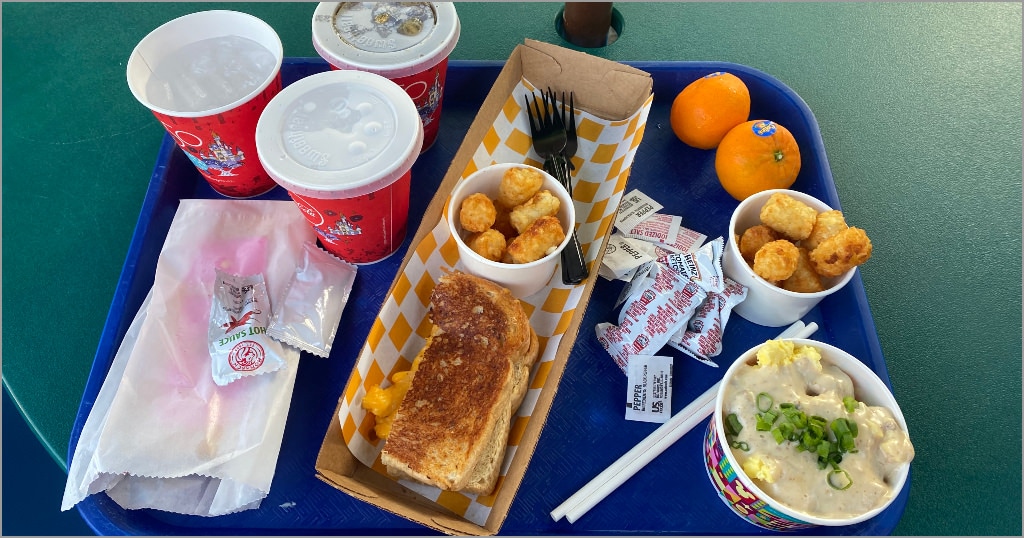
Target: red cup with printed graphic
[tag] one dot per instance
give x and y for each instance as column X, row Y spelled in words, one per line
column 207, row 77
column 407, row 42
column 343, row 144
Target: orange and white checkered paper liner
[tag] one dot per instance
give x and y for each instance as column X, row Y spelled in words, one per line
column 606, row 151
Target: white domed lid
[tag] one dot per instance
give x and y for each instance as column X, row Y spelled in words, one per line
column 393, row 39
column 339, row 134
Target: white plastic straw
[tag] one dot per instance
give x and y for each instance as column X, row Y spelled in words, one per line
column 652, row 446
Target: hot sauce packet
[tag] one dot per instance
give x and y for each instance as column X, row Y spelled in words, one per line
column 239, row 314
column 308, row 311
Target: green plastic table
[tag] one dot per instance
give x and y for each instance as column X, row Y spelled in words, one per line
column 919, row 106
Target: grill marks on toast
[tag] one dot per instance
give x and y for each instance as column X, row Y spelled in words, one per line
column 452, row 426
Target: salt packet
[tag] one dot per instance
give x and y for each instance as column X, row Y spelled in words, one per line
column 701, row 338
column 649, row 388
column 667, row 232
column 309, row 309
column 239, row 314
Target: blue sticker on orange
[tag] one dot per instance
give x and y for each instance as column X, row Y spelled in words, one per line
column 763, row 128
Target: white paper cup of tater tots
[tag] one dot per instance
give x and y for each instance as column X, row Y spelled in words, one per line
column 767, row 304
column 522, row 279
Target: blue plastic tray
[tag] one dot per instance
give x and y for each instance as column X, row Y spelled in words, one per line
column 585, row 430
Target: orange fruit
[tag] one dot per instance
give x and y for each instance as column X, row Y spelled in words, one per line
column 756, row 156
column 708, row 107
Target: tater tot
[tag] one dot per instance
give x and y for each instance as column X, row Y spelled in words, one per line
column 519, row 185
column 776, row 260
column 754, row 238
column 841, row 252
column 788, row 216
column 490, row 244
column 477, row 213
column 542, row 204
column 826, row 225
column 536, row 241
column 502, row 223
column 803, row 279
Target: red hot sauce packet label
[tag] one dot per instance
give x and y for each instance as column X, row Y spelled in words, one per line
column 239, row 315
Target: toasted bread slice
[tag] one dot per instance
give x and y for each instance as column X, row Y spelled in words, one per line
column 452, row 427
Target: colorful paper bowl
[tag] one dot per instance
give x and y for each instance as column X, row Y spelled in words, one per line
column 744, row 497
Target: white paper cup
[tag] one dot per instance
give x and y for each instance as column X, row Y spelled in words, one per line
column 756, row 506
column 767, row 304
column 522, row 279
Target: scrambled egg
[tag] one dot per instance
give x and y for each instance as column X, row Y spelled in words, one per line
column 783, row 352
column 762, row 468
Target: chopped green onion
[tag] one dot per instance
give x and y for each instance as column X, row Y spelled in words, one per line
column 799, row 419
column 823, row 450
column 839, row 483
column 850, row 403
column 764, row 402
column 828, row 441
column 732, row 425
column 765, row 420
column 741, row 445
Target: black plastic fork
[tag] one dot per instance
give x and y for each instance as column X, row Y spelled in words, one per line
column 569, row 120
column 549, row 138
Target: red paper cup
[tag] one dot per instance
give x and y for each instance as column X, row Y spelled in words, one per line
column 343, row 144
column 407, row 42
column 207, row 77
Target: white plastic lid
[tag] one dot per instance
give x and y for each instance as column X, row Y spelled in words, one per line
column 393, row 39
column 339, row 134
column 176, row 33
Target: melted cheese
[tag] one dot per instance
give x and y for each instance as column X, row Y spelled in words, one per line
column 384, row 402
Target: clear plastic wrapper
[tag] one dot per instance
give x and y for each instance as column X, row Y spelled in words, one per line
column 307, row 313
